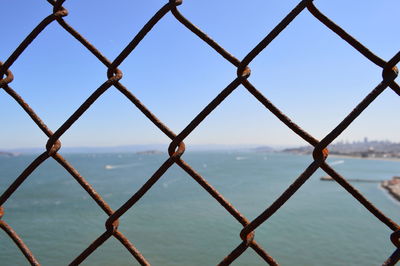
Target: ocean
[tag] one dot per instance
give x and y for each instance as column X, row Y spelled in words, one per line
column 178, row 223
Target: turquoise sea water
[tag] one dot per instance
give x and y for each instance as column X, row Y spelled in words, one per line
column 178, row 223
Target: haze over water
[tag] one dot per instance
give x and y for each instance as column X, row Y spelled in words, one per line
column 178, row 223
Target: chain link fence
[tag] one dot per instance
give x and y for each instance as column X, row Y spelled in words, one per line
column 177, row 147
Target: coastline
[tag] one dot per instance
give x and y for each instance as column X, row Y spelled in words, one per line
column 392, row 186
column 348, row 156
column 392, row 159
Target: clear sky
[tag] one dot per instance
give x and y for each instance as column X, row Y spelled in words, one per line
column 308, row 72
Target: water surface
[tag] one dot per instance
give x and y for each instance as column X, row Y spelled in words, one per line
column 178, row 223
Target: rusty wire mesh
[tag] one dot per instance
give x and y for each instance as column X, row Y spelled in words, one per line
column 177, row 146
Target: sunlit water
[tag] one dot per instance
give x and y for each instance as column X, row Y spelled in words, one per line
column 178, row 223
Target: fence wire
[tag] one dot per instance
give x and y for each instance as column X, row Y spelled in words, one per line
column 177, row 147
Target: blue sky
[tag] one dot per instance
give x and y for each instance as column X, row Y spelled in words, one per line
column 308, row 72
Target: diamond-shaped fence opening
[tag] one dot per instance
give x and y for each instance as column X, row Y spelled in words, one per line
column 113, row 81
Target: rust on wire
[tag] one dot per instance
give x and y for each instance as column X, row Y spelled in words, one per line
column 176, row 148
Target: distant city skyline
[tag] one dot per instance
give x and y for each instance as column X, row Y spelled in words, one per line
column 308, row 72
column 194, row 147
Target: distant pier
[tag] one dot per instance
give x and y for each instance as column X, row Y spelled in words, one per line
column 328, row 178
column 392, row 186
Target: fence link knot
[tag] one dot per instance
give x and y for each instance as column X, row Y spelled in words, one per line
column 243, row 72
column 390, row 74
column 114, row 75
column 395, row 238
column 176, row 151
column 53, row 146
column 248, row 238
column 59, row 12
column 175, row 3
column 112, row 225
column 9, row 76
column 320, row 155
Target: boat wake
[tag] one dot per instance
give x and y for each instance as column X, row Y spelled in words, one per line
column 167, row 183
column 337, row 162
column 116, row 166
